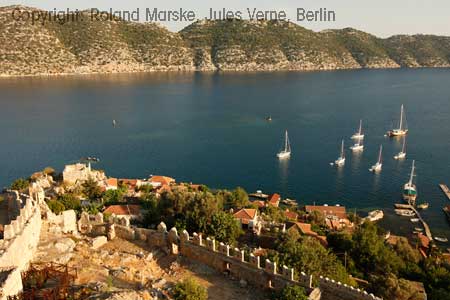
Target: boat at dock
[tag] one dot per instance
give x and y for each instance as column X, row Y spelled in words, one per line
column 405, row 212
column 402, row 154
column 418, row 229
column 358, row 135
column 445, row 189
column 423, row 205
column 404, row 206
column 441, row 239
column 289, row 202
column 340, row 161
column 377, row 166
column 375, row 215
column 409, row 189
column 415, row 220
column 286, row 152
column 401, row 130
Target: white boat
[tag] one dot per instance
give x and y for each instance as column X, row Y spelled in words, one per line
column 358, row 146
column 409, row 189
column 418, row 229
column 375, row 215
column 441, row 239
column 401, row 130
column 402, row 154
column 423, row 205
column 377, row 167
column 340, row 161
column 286, row 152
column 358, row 135
column 405, row 212
column 415, row 220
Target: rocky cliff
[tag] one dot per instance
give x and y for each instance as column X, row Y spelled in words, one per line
column 90, row 46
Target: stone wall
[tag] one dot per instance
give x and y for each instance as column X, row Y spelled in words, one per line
column 18, row 246
column 233, row 261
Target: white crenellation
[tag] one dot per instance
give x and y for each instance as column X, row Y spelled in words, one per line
column 239, row 254
column 271, row 267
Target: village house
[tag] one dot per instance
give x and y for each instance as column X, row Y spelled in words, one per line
column 305, row 229
column 127, row 211
column 335, row 216
column 290, row 215
column 248, row 218
column 111, row 184
column 159, row 181
column 274, row 200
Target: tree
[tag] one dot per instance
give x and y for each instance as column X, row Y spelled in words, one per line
column 224, row 228
column 91, row 189
column 239, row 198
column 189, row 289
column 70, row 201
column 49, row 171
column 293, row 292
column 113, row 196
column 20, row 184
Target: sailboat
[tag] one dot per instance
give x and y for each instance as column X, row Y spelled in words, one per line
column 377, row 167
column 340, row 161
column 359, row 134
column 357, row 146
column 402, row 154
column 286, row 153
column 409, row 189
column 401, row 130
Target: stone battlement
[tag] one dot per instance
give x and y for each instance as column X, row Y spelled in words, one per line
column 19, row 243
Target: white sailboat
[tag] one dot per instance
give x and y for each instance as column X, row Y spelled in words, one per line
column 402, row 154
column 359, row 134
column 401, row 130
column 286, row 152
column 340, row 161
column 409, row 189
column 377, row 167
column 357, row 146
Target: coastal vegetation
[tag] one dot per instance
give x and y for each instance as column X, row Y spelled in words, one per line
column 90, row 46
column 189, row 289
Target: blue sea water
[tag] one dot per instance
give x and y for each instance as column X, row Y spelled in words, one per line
column 210, row 128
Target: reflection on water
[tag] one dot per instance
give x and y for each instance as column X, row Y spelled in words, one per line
column 283, row 173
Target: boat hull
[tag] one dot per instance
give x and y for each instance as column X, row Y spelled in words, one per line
column 284, row 155
column 397, row 132
column 401, row 155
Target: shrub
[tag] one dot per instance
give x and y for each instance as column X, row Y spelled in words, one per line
column 189, row 289
column 56, row 206
column 20, row 184
column 293, row 292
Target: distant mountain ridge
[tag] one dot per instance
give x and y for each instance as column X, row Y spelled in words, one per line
column 89, row 46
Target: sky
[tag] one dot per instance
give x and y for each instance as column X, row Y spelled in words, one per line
column 380, row 17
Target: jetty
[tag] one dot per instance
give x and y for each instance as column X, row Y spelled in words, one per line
column 425, row 225
column 445, row 189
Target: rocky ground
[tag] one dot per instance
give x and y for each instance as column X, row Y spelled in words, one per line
column 123, row 270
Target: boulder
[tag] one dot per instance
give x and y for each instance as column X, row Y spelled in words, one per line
column 99, row 241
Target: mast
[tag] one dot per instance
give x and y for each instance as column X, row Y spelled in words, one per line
column 342, row 149
column 287, row 146
column 379, row 155
column 360, row 127
column 401, row 117
column 412, row 174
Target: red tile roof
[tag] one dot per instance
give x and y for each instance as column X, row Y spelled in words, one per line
column 112, row 182
column 304, row 228
column 338, row 211
column 274, row 199
column 132, row 183
column 424, row 240
column 290, row 215
column 163, row 180
column 259, row 203
column 245, row 215
column 130, row 209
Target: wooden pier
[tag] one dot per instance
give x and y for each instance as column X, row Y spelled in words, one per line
column 425, row 225
column 445, row 189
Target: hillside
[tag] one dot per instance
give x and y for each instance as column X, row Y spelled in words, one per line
column 89, row 46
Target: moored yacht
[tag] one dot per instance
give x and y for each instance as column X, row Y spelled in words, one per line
column 286, row 152
column 409, row 189
column 340, row 161
column 401, row 130
column 358, row 135
column 377, row 166
column 358, row 146
column 402, row 154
